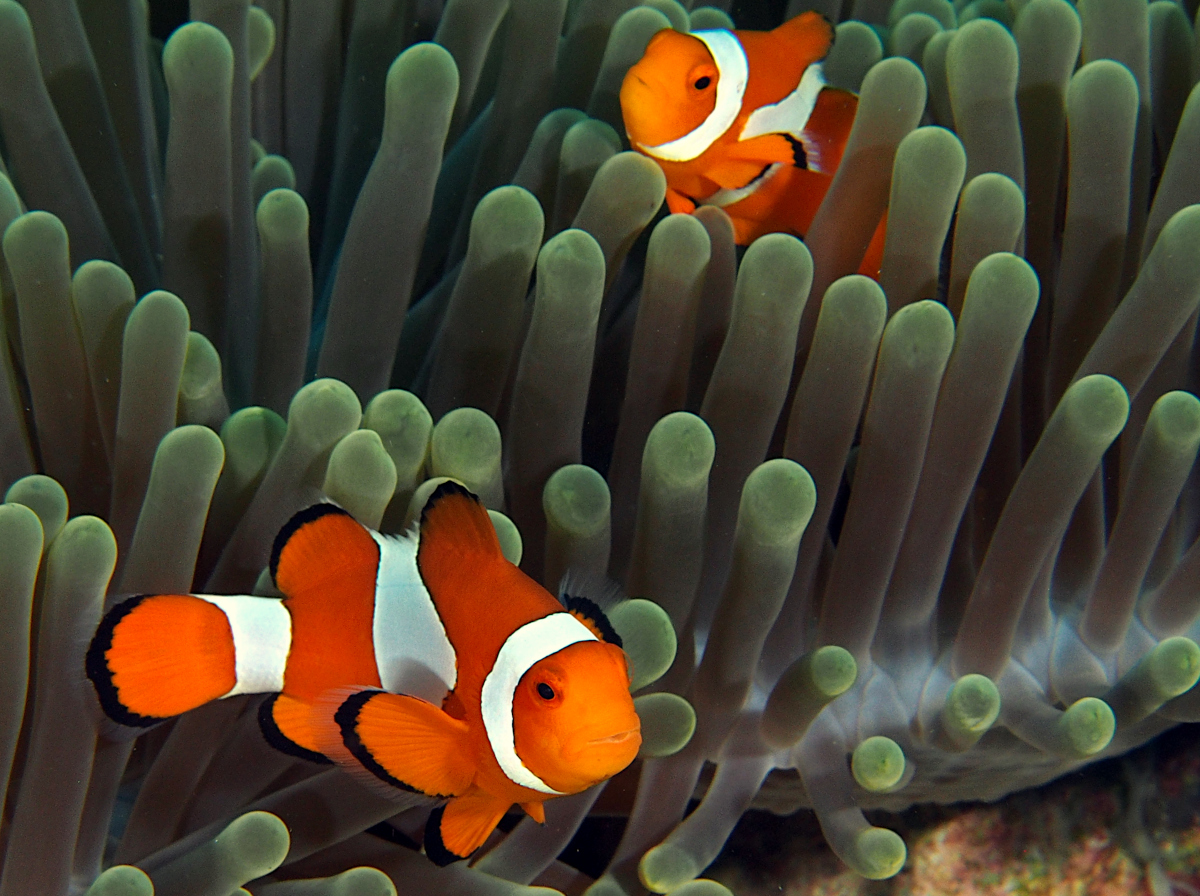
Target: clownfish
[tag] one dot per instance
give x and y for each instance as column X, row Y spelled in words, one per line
column 742, row 120
column 426, row 661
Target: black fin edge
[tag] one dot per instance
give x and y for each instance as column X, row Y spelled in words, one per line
column 279, row 740
column 299, row 519
column 435, row 848
column 445, row 490
column 346, row 718
column 96, row 665
column 591, row 611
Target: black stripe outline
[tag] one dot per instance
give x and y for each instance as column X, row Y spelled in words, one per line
column 435, row 847
column 587, row 608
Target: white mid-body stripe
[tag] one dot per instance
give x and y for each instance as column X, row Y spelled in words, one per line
column 412, row 652
column 790, row 115
column 733, row 71
column 262, row 638
column 529, row 644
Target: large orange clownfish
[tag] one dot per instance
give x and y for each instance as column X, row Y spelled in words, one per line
column 426, row 661
column 742, row 120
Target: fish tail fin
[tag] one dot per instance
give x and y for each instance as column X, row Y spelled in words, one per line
column 320, row 553
column 456, row 528
column 460, row 827
column 809, row 35
column 155, row 656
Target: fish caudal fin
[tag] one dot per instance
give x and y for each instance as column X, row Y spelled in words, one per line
column 456, row 830
column 402, row 741
column 156, row 656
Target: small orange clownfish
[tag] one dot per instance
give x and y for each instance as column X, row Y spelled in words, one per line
column 426, row 661
column 742, row 120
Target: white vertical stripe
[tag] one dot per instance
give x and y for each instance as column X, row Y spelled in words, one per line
column 791, row 114
column 412, row 652
column 531, row 643
column 732, row 72
column 262, row 639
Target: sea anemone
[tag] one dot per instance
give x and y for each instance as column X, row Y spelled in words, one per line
column 930, row 538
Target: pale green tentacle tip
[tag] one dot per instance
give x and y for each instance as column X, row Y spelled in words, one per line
column 667, row 866
column 878, row 764
column 257, row 842
column 972, row 707
column 647, row 637
column 668, row 723
column 1097, row 405
column 1086, row 727
column 878, row 853
column 20, row 533
column 1167, row 671
column 805, row 687
column 511, row 545
column 260, row 34
column 45, row 497
column 121, row 880
column 361, row 881
column 701, row 887
column 605, row 886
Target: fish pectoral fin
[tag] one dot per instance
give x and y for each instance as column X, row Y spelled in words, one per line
column 457, row 829
column 403, row 741
column 763, row 150
column 678, row 204
column 734, row 174
column 536, row 810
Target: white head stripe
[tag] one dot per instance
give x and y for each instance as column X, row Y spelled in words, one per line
column 412, row 651
column 531, row 643
column 732, row 72
column 262, row 639
column 790, row 115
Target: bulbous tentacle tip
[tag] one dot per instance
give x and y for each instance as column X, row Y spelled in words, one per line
column 1086, row 727
column 878, row 853
column 668, row 723
column 648, row 637
column 1172, row 668
column 803, row 690
column 878, row 764
column 121, row 880
column 972, row 707
column 665, row 867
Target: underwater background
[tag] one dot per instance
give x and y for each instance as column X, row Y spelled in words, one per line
column 900, row 544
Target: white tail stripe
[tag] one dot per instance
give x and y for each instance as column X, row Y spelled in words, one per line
column 262, row 639
column 732, row 73
column 531, row 643
column 412, row 652
column 791, row 114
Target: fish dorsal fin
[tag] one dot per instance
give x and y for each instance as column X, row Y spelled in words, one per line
column 396, row 739
column 319, row 545
column 809, row 35
column 455, row 529
column 456, row 830
column 589, row 613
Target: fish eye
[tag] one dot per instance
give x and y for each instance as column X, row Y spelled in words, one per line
column 702, row 82
column 545, row 691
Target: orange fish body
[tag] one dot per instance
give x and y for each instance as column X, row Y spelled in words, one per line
column 742, row 120
column 427, row 662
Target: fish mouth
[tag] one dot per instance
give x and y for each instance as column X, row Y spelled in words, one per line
column 619, row 738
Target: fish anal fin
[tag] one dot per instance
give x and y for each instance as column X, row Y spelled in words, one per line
column 159, row 655
column 319, row 547
column 288, row 725
column 456, row 830
column 828, row 128
column 535, row 810
column 403, row 741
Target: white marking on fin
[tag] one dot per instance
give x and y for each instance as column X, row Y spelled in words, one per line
column 262, row 639
column 412, row 651
column 791, row 114
column 531, row 643
column 724, row 197
column 732, row 73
